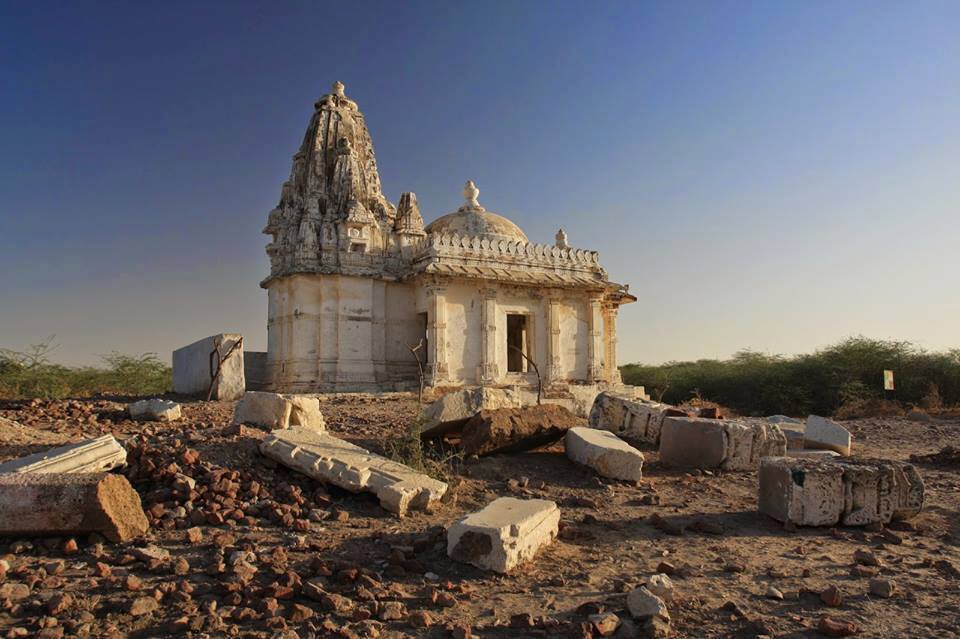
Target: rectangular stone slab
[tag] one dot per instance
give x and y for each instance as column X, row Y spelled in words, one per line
column 604, row 452
column 191, row 368
column 826, row 434
column 356, row 469
column 697, row 442
column 89, row 456
column 507, row 532
column 828, row 491
column 275, row 410
column 628, row 416
column 70, row 504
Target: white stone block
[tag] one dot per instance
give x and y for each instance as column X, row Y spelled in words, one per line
column 505, row 533
column 460, row 405
column 823, row 433
column 626, row 415
column 643, row 604
column 155, row 410
column 192, row 366
column 851, row 492
column 697, row 442
column 277, row 411
column 604, row 452
column 338, row 462
column 89, row 456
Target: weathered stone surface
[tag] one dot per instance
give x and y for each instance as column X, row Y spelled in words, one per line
column 694, row 442
column 89, row 456
column 343, row 464
column 275, row 411
column 70, row 503
column 454, row 409
column 851, row 492
column 812, row 454
column 826, row 434
column 507, row 430
column 505, row 533
column 628, row 416
column 604, row 452
column 195, row 364
column 156, row 410
column 783, row 419
column 643, row 604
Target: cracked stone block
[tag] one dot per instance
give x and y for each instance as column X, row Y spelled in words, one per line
column 277, row 411
column 335, row 461
column 604, row 452
column 70, row 504
column 823, row 433
column 89, row 456
column 628, row 416
column 507, row 532
column 194, row 366
column 454, row 409
column 696, row 442
column 155, row 410
column 827, row 492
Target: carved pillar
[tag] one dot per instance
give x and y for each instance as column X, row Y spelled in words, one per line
column 437, row 334
column 489, row 372
column 553, row 372
column 594, row 340
column 610, row 342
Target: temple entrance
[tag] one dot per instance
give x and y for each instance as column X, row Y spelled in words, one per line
column 517, row 343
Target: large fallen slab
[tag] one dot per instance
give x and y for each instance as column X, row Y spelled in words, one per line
column 696, row 442
column 825, row 434
column 155, row 410
column 195, row 365
column 276, row 411
column 511, row 430
column 89, row 456
column 70, row 504
column 831, row 491
column 604, row 452
column 628, row 416
column 335, row 461
column 505, row 533
column 452, row 410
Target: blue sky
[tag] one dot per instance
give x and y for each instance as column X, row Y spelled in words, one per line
column 769, row 175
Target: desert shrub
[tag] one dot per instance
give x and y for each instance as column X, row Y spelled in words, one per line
column 847, row 373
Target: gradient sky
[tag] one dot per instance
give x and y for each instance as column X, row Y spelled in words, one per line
column 770, row 175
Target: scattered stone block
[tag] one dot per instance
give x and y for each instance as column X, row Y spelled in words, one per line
column 276, row 411
column 643, row 604
column 628, row 416
column 196, row 364
column 604, row 452
column 70, row 503
column 812, row 454
column 823, row 433
column 505, row 533
column 338, row 462
column 661, row 586
column 511, row 430
column 155, row 410
column 695, row 442
column 452, row 410
column 89, row 456
column 851, row 492
column 794, row 436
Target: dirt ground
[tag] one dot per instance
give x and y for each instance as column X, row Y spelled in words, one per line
column 390, row 577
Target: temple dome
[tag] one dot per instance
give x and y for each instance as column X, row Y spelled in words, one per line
column 473, row 220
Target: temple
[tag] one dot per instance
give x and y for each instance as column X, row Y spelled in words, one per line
column 360, row 290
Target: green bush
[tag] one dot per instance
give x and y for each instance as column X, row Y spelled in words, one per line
column 30, row 374
column 851, row 371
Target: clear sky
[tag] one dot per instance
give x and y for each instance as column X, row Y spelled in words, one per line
column 772, row 175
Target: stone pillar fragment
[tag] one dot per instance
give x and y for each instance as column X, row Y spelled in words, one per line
column 595, row 341
column 605, row 453
column 489, row 372
column 553, row 339
column 437, row 335
column 89, row 456
column 70, row 504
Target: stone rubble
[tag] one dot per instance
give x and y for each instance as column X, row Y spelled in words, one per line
column 826, row 434
column 628, row 416
column 89, row 456
column 155, row 410
column 850, row 492
column 454, row 409
column 278, row 411
column 695, row 442
column 604, row 452
column 504, row 534
column 338, row 462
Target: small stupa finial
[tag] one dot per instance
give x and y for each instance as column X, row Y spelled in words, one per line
column 470, row 193
column 561, row 238
column 338, row 89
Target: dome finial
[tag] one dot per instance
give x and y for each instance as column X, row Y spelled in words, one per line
column 338, row 89
column 470, row 193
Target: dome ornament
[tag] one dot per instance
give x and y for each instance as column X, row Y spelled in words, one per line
column 338, row 88
column 470, row 193
column 562, row 240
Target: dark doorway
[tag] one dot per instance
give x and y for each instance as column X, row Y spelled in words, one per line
column 517, row 343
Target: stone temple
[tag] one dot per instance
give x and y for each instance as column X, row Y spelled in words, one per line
column 356, row 283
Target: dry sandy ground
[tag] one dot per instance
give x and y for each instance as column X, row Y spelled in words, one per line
column 383, row 567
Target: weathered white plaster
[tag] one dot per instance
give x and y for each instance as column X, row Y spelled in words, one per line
column 192, row 366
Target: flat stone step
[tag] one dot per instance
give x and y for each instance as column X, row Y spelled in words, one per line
column 507, row 532
column 605, row 453
column 89, row 456
column 338, row 462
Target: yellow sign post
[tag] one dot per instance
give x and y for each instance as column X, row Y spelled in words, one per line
column 888, row 381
